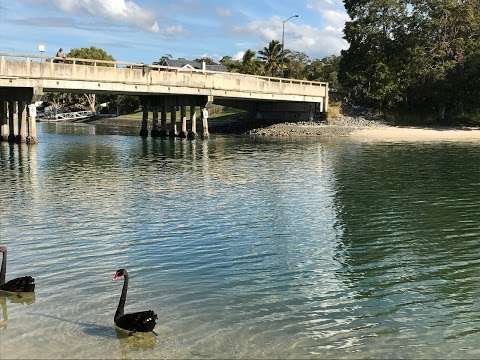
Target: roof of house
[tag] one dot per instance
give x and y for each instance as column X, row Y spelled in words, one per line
column 217, row 67
column 181, row 63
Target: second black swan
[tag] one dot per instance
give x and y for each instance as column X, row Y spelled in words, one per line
column 144, row 321
column 21, row 284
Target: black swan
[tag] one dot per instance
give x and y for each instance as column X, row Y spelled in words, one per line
column 144, row 321
column 22, row 284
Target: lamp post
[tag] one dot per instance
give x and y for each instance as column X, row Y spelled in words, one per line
column 283, row 41
column 42, row 48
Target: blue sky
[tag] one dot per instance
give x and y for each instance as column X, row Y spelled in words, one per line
column 144, row 30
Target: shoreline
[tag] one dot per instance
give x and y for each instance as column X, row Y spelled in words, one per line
column 362, row 130
column 357, row 129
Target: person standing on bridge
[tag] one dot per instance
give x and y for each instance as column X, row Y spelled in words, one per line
column 60, row 54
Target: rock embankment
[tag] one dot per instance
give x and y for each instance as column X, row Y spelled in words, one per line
column 339, row 126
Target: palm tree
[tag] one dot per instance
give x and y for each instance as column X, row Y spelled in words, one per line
column 250, row 64
column 272, row 57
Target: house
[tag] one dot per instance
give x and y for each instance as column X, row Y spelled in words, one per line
column 190, row 65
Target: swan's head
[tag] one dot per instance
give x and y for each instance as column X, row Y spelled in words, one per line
column 119, row 274
column 3, row 249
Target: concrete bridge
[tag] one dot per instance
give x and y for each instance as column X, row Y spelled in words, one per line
column 24, row 79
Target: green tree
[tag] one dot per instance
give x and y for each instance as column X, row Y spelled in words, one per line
column 93, row 53
column 73, row 102
column 250, row 64
column 296, row 65
column 272, row 56
column 410, row 55
column 372, row 69
column 230, row 64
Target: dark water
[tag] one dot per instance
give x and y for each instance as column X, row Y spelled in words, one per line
column 245, row 248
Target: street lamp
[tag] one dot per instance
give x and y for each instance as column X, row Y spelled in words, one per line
column 283, row 41
column 42, row 48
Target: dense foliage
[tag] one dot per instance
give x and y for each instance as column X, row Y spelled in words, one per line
column 413, row 55
column 273, row 61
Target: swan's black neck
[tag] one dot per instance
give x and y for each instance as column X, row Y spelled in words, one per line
column 3, row 269
column 123, row 297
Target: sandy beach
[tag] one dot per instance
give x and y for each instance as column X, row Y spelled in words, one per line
column 415, row 134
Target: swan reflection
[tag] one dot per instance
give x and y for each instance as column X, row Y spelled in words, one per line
column 15, row 298
column 135, row 342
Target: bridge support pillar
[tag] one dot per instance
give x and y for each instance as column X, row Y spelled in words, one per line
column 192, row 134
column 163, row 122
column 155, row 132
column 32, row 124
column 21, row 123
column 144, row 129
column 183, row 112
column 3, row 121
column 205, row 133
column 173, row 122
column 11, row 121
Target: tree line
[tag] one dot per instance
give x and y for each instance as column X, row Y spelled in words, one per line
column 413, row 56
column 275, row 61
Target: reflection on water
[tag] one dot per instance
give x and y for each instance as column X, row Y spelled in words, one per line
column 18, row 298
column 4, row 318
column 245, row 248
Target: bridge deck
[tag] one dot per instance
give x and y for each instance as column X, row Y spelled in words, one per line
column 81, row 75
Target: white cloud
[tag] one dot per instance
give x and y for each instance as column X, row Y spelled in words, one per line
column 125, row 11
column 239, row 55
column 332, row 12
column 174, row 30
column 335, row 18
column 300, row 37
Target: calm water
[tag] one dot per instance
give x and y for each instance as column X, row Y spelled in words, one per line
column 244, row 248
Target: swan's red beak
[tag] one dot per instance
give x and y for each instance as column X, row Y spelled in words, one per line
column 116, row 277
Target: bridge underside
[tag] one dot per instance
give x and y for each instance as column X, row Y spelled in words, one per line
column 17, row 122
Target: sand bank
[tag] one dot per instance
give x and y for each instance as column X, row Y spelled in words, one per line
column 415, row 134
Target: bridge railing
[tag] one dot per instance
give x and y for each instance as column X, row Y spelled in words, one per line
column 149, row 67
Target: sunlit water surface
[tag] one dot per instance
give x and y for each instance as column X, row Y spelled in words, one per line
column 245, row 248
